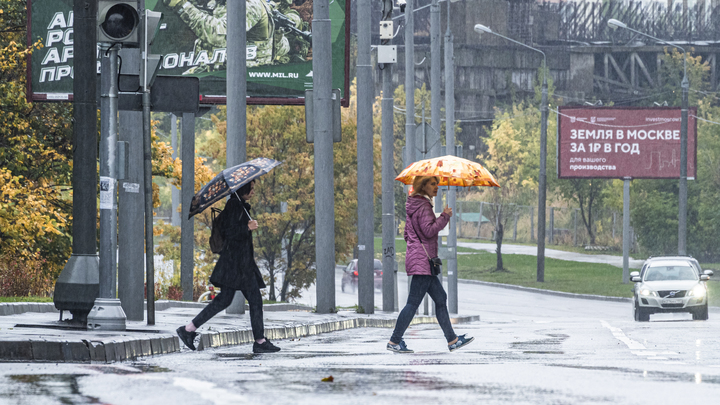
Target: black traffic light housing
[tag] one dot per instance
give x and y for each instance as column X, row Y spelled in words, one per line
column 118, row 22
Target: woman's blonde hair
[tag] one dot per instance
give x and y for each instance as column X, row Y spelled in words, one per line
column 420, row 182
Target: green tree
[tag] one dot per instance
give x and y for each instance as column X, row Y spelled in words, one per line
column 512, row 156
column 654, row 203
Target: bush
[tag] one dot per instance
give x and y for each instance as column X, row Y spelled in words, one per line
column 22, row 279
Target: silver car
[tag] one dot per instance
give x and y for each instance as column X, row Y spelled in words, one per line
column 670, row 284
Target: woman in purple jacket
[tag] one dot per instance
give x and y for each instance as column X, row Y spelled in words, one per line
column 421, row 235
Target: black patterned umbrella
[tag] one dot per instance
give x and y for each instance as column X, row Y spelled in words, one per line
column 229, row 181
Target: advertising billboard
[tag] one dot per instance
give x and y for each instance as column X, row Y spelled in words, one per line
column 192, row 38
column 623, row 142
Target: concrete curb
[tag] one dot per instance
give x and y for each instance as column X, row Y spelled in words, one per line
column 118, row 349
column 15, row 308
column 547, row 292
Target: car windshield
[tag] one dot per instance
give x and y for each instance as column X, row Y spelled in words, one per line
column 663, row 273
column 378, row 265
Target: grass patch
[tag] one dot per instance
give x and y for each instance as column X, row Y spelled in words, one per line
column 26, row 299
column 560, row 275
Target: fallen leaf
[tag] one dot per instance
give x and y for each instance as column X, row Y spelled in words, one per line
column 328, row 379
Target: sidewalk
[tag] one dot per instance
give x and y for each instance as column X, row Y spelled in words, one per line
column 553, row 254
column 33, row 332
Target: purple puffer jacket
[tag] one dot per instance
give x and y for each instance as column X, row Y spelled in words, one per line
column 421, row 220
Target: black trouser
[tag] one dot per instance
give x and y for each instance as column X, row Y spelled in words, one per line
column 419, row 286
column 251, row 291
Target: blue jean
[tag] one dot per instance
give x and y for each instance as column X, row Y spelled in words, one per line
column 419, row 286
column 224, row 299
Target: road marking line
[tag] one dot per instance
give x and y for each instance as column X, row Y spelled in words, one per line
column 619, row 335
column 209, row 391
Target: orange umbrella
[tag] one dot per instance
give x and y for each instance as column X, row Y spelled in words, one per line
column 452, row 171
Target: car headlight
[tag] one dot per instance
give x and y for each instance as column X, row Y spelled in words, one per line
column 646, row 292
column 697, row 291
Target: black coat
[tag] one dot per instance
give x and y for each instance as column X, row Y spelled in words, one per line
column 237, row 260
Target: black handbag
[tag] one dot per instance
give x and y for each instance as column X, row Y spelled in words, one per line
column 435, row 262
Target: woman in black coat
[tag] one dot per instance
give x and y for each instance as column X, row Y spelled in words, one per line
column 235, row 270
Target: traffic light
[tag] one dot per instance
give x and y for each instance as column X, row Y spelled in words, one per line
column 118, row 23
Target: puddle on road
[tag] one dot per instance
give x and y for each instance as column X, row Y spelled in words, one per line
column 132, row 368
column 542, row 346
column 151, row 368
column 407, row 385
column 62, row 387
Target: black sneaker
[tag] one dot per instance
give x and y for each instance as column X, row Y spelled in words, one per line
column 462, row 341
column 399, row 348
column 265, row 347
column 187, row 337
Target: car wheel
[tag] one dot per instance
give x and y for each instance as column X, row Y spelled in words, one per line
column 700, row 314
column 641, row 315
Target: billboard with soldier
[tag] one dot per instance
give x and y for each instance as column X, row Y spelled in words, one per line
column 193, row 41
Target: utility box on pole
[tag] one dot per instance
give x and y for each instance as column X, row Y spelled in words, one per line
column 336, row 118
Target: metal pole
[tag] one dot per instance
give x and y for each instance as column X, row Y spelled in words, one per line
column 685, row 86
column 108, row 177
column 410, row 152
column 365, row 174
column 236, row 103
column 435, row 82
column 85, row 153
column 77, row 286
column 542, row 188
column 187, row 228
column 149, row 244
column 324, row 199
column 682, row 203
column 174, row 215
column 389, row 280
column 107, row 312
column 450, row 148
column 626, row 231
column 131, row 263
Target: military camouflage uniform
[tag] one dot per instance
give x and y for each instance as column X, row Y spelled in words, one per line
column 209, row 23
column 263, row 40
column 298, row 47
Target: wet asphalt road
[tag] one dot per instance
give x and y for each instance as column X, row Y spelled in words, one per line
column 529, row 349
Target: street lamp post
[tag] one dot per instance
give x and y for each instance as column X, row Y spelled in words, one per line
column 685, row 86
column 479, row 28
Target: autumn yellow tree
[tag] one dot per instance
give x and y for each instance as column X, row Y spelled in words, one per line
column 284, row 204
column 36, row 155
column 513, row 156
column 35, row 165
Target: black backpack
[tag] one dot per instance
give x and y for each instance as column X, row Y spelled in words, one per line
column 216, row 239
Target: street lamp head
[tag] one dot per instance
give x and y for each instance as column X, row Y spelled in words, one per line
column 615, row 24
column 479, row 28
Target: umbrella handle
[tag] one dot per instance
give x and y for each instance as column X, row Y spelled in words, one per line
column 248, row 214
column 243, row 205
